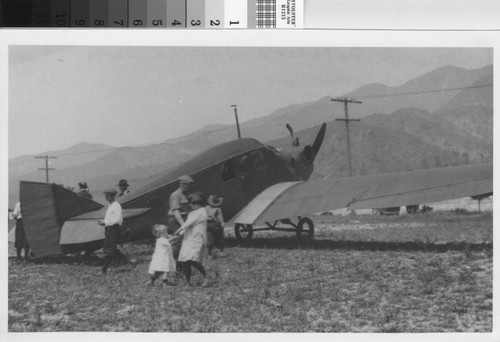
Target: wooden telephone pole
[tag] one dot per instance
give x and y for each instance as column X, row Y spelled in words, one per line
column 46, row 168
column 237, row 122
column 346, row 101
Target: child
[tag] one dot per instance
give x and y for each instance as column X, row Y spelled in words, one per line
column 162, row 263
column 194, row 242
column 215, row 225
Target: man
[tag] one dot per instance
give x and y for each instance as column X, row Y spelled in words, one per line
column 84, row 190
column 178, row 210
column 123, row 185
column 21, row 242
column 112, row 222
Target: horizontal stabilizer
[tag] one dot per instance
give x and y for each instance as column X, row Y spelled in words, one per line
column 85, row 228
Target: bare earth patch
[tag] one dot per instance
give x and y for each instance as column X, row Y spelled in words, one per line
column 428, row 273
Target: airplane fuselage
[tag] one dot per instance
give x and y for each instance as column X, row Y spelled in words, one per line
column 237, row 171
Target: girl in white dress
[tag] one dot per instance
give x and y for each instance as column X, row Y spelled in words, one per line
column 195, row 238
column 162, row 263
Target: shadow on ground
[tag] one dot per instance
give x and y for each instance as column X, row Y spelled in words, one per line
column 292, row 243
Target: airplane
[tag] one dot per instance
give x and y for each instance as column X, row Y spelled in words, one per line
column 263, row 188
column 57, row 221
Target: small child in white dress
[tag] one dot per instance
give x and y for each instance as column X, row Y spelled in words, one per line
column 163, row 262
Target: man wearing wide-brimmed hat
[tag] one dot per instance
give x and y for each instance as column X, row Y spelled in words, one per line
column 84, row 190
column 112, row 222
column 123, row 185
column 178, row 210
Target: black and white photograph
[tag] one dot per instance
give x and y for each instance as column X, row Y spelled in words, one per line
column 299, row 183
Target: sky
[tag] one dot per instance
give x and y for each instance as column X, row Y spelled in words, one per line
column 135, row 95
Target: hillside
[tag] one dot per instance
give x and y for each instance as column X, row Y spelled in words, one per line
column 426, row 130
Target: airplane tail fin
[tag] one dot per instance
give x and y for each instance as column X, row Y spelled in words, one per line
column 44, row 208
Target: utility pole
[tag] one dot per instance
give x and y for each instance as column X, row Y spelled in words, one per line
column 346, row 101
column 46, row 168
column 237, row 122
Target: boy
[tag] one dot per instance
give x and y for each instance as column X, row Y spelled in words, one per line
column 112, row 222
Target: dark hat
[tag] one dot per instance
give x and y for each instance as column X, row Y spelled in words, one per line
column 123, row 182
column 185, row 179
column 83, row 185
column 110, row 192
column 215, row 200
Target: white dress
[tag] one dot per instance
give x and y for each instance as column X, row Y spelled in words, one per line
column 163, row 259
column 195, row 236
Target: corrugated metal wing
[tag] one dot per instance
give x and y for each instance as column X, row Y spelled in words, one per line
column 384, row 190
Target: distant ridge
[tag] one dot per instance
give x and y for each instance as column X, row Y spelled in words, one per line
column 396, row 133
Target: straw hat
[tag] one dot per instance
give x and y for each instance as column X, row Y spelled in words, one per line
column 215, row 200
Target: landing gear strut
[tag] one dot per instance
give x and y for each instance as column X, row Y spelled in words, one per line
column 304, row 229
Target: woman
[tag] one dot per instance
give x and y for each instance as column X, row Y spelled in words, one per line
column 194, row 241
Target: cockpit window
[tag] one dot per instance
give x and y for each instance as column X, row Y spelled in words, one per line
column 242, row 165
column 226, row 171
column 260, row 161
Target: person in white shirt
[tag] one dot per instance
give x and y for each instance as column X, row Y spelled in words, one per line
column 21, row 242
column 112, row 222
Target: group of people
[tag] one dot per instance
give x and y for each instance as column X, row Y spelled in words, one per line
column 195, row 225
column 21, row 242
column 85, row 191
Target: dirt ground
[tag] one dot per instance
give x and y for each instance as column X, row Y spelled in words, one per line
column 423, row 273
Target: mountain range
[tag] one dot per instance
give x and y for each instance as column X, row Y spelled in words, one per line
column 444, row 117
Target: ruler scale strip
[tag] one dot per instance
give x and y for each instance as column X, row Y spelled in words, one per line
column 153, row 13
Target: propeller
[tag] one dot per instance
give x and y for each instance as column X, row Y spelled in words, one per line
column 295, row 141
column 319, row 139
column 303, row 161
column 310, row 151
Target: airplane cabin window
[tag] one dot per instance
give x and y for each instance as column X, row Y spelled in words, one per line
column 260, row 161
column 226, row 171
column 242, row 165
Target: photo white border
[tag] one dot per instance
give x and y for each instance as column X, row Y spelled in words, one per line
column 282, row 38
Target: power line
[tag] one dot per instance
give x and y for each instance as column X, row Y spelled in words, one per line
column 301, row 110
column 369, row 97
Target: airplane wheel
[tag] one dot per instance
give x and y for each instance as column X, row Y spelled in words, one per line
column 243, row 231
column 305, row 229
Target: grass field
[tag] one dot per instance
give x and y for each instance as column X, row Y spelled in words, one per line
column 423, row 273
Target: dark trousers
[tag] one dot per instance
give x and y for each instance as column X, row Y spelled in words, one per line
column 186, row 265
column 215, row 236
column 21, row 241
column 110, row 248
